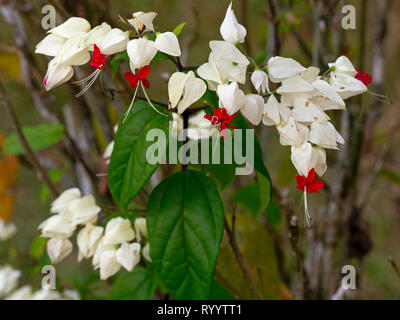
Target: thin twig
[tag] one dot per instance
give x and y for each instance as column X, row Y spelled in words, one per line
column 394, row 265
column 241, row 262
column 227, row 284
column 40, row 171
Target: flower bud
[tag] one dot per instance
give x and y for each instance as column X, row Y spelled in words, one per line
column 230, row 29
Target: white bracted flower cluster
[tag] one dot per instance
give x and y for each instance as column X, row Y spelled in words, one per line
column 110, row 248
column 300, row 114
column 297, row 106
column 9, row 278
column 70, row 44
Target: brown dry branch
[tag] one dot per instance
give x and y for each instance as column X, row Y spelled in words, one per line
column 29, row 153
column 241, row 262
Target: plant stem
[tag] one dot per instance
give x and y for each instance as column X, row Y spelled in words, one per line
column 241, row 262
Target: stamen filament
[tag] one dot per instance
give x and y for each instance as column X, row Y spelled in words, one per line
column 130, row 106
column 307, row 217
column 148, row 100
column 86, row 88
column 90, row 76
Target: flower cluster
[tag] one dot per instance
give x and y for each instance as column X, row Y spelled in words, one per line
column 110, row 248
column 8, row 288
column 300, row 116
column 298, row 105
column 71, row 43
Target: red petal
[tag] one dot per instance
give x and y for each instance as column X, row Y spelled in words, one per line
column 311, row 176
column 301, row 182
column 143, row 72
column 129, row 76
column 315, row 186
column 300, row 188
column 96, row 51
column 133, row 79
column 146, row 83
column 208, row 117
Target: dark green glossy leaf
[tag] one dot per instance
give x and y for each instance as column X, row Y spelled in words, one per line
column 185, row 219
column 218, row 292
column 264, row 191
column 159, row 56
column 273, row 213
column 248, row 198
column 136, row 285
column 129, row 170
column 39, row 137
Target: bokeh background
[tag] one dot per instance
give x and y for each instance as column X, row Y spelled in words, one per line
column 308, row 31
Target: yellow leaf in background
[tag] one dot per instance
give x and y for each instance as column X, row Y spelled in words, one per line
column 10, row 68
column 258, row 251
column 9, row 170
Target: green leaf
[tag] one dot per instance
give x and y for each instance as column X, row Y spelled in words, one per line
column 273, row 213
column 159, row 56
column 211, row 98
column 264, row 190
column 261, row 58
column 179, row 28
column 222, row 174
column 254, row 198
column 185, row 219
column 38, row 246
column 240, row 123
column 129, row 170
column 39, row 137
column 218, row 292
column 136, row 285
column 116, row 62
column 248, row 199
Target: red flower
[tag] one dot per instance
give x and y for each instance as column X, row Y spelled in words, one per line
column 222, row 119
column 363, row 77
column 141, row 76
column 310, row 184
column 98, row 60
